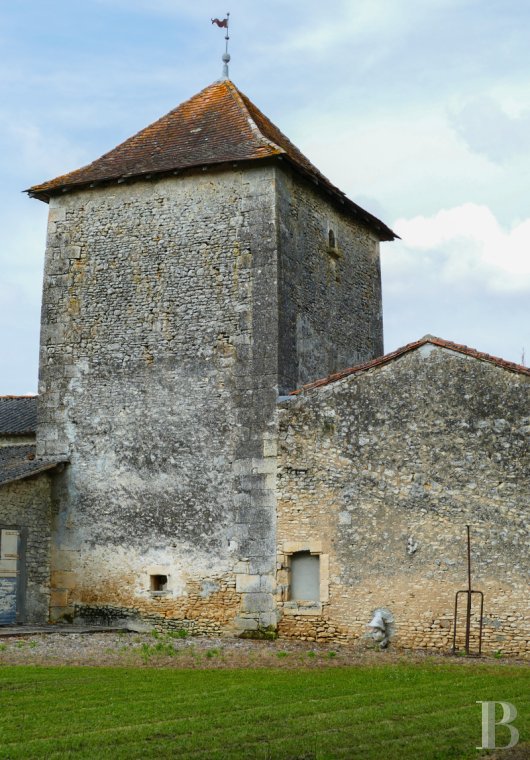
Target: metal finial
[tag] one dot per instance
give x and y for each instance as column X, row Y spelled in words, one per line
column 226, row 55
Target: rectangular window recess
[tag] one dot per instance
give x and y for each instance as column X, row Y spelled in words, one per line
column 158, row 583
column 305, row 578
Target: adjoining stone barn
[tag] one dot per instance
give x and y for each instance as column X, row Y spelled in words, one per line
column 380, row 469
column 203, row 458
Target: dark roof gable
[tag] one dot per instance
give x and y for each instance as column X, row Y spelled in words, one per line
column 18, row 415
column 217, row 126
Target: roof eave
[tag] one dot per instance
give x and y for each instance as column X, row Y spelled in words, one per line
column 362, row 216
column 38, row 196
column 46, row 467
column 44, row 192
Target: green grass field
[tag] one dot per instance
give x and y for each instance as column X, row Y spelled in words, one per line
column 392, row 711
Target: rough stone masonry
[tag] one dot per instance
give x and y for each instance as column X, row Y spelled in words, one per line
column 160, row 367
column 195, row 276
column 379, row 474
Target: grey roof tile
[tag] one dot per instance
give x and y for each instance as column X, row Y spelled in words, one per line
column 19, row 462
column 18, row 415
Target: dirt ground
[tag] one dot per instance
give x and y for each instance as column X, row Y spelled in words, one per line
column 162, row 650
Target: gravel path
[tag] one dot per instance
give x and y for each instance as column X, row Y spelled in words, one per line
column 129, row 649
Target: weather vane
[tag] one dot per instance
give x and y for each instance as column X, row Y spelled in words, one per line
column 223, row 24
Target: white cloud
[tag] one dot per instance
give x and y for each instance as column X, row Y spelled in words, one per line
column 469, row 248
column 21, row 262
column 461, row 275
column 489, row 129
column 407, row 160
column 175, row 8
column 416, row 303
column 320, row 30
column 34, row 152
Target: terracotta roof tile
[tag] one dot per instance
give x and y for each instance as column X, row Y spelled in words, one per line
column 216, row 126
column 459, row 348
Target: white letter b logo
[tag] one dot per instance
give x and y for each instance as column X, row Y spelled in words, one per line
column 509, row 714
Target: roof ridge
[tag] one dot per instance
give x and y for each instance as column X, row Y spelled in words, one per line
column 273, row 126
column 13, row 396
column 237, row 95
column 386, row 358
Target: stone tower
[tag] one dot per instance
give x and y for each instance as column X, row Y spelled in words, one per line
column 193, row 274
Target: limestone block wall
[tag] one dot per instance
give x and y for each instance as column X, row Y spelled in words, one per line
column 380, row 473
column 26, row 506
column 158, row 379
column 330, row 294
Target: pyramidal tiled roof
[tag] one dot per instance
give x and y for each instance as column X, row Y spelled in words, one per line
column 217, row 126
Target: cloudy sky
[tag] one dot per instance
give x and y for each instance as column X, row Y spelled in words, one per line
column 418, row 109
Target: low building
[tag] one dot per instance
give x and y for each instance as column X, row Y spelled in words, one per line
column 381, row 468
column 25, row 515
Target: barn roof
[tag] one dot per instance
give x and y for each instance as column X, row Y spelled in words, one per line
column 440, row 342
column 19, row 462
column 216, row 127
column 18, row 415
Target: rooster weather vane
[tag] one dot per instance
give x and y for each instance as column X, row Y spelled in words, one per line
column 223, row 24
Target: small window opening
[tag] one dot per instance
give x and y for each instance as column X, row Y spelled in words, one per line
column 158, row 582
column 305, row 577
column 331, row 239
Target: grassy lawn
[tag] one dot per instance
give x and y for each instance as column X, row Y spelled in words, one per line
column 393, row 711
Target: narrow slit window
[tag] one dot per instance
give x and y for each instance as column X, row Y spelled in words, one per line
column 331, row 239
column 158, row 582
column 305, row 577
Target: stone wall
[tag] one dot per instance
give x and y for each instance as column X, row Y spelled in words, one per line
column 330, row 295
column 209, row 608
column 26, row 505
column 383, row 470
column 158, row 379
